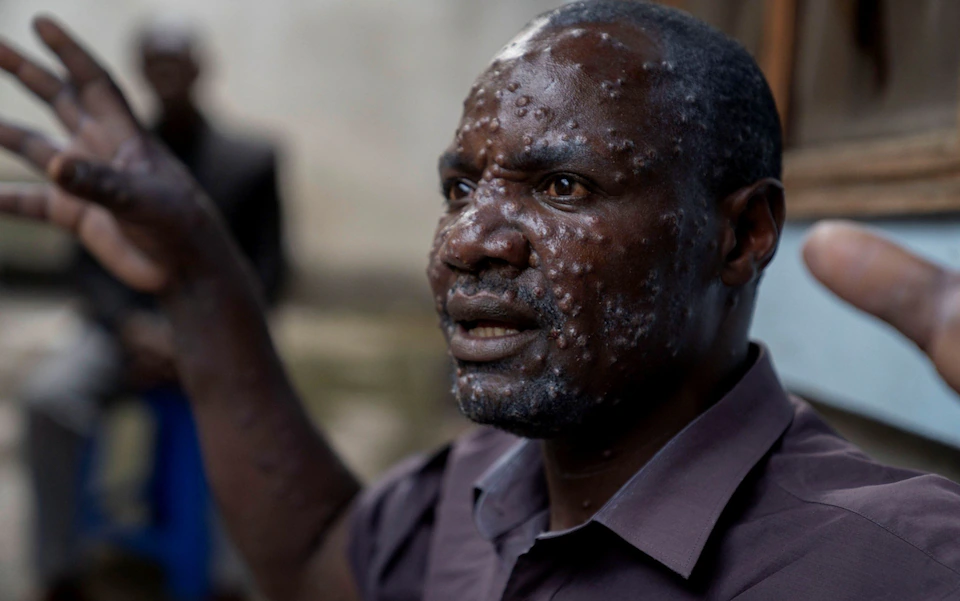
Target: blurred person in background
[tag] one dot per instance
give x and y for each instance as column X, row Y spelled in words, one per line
column 126, row 344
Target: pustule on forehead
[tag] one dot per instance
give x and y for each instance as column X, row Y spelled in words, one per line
column 611, row 54
column 586, row 40
column 575, row 91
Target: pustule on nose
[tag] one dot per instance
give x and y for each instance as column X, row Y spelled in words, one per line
column 492, row 189
column 510, row 246
column 491, row 237
column 504, row 246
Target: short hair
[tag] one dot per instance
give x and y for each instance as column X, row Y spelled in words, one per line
column 172, row 33
column 716, row 83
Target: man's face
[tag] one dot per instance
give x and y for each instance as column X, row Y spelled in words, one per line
column 569, row 266
column 171, row 74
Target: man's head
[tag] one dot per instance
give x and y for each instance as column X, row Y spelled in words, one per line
column 170, row 62
column 613, row 195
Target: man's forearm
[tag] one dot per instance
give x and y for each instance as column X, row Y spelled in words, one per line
column 136, row 210
column 279, row 484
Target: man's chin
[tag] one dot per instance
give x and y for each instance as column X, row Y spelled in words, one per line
column 541, row 408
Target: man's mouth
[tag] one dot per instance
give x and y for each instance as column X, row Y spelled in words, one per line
column 489, row 327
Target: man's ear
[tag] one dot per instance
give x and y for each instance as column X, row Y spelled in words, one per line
column 752, row 221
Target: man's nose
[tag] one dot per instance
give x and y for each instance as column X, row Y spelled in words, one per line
column 482, row 234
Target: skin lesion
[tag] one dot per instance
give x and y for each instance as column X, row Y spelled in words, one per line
column 562, row 240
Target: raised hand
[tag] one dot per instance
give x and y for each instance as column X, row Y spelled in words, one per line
column 130, row 203
column 283, row 492
column 917, row 297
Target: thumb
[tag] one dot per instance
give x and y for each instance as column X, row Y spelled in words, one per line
column 877, row 276
column 97, row 182
column 113, row 194
column 917, row 297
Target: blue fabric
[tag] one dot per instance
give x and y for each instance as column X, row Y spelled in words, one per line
column 179, row 534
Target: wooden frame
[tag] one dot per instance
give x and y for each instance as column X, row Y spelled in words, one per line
column 897, row 177
column 778, row 51
column 904, row 176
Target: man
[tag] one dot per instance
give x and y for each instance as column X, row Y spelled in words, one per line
column 613, row 198
column 126, row 345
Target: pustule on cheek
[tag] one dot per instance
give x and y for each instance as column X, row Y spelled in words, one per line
column 591, row 324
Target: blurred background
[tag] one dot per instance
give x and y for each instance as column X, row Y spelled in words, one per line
column 360, row 96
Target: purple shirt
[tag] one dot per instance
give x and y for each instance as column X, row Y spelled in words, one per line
column 757, row 499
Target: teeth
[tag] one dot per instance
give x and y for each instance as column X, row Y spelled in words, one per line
column 487, row 332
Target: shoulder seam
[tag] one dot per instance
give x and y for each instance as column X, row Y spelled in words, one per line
column 869, row 519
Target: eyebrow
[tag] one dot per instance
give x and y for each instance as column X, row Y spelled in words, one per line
column 543, row 157
column 536, row 159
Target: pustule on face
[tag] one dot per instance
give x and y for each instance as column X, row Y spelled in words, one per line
column 530, row 106
column 552, row 263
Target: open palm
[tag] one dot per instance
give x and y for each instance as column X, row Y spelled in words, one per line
column 129, row 202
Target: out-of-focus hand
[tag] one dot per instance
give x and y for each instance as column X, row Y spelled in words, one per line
column 130, row 203
column 915, row 296
column 144, row 218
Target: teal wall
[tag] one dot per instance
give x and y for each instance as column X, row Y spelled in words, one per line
column 855, row 362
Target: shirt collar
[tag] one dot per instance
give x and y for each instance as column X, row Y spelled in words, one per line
column 510, row 491
column 670, row 507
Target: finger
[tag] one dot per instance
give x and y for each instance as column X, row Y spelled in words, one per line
column 100, row 233
column 43, row 84
column 34, row 147
column 879, row 277
column 83, row 69
column 917, row 297
column 93, row 225
column 96, row 182
column 42, row 202
column 31, row 201
column 97, row 92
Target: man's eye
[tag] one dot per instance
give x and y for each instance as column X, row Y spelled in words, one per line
column 564, row 186
column 458, row 190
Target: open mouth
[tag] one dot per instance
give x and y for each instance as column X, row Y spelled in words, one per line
column 486, row 328
column 489, row 327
